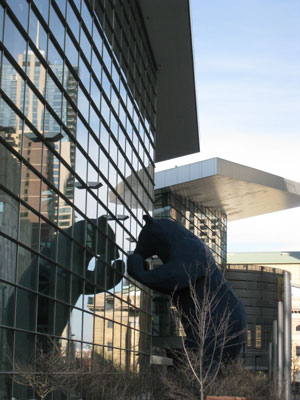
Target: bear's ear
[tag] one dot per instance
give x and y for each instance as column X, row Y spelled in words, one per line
column 148, row 219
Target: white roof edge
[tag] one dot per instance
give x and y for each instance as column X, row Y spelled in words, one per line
column 237, row 190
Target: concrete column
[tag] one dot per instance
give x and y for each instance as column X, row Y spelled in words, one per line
column 275, row 351
column 287, row 346
column 280, row 347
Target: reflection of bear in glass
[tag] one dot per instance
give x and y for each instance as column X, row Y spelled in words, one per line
column 187, row 260
column 91, row 242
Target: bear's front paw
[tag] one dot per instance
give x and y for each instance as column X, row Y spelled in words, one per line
column 135, row 262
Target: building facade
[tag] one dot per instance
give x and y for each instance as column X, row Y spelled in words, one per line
column 82, row 117
column 260, row 288
column 278, row 261
column 78, row 97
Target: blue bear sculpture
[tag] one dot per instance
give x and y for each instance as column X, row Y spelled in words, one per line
column 187, row 263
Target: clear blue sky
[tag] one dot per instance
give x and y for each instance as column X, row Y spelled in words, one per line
column 247, row 70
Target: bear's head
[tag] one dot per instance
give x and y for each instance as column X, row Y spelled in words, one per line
column 158, row 237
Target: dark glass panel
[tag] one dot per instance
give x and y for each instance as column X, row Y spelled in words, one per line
column 48, row 238
column 6, row 343
column 27, row 268
column 8, row 251
column 62, row 316
column 5, row 382
column 64, row 248
column 26, row 310
column 45, row 315
column 77, row 291
column 47, row 273
column 62, row 285
column 7, row 305
column 24, row 346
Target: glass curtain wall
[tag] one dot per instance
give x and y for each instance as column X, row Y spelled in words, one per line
column 77, row 126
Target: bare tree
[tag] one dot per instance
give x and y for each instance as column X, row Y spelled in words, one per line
column 201, row 362
column 295, row 375
column 51, row 369
column 237, row 380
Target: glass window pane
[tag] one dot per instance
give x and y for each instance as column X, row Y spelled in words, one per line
column 43, row 7
column 14, row 42
column 57, row 27
column 72, row 21
column 6, row 343
column 71, row 52
column 45, row 315
column 26, row 310
column 47, row 273
column 9, row 210
column 62, row 284
column 27, row 268
column 62, row 316
column 38, row 34
column 8, row 251
column 7, row 305
column 13, row 85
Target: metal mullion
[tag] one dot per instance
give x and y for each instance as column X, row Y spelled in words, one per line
column 107, row 153
column 134, row 150
column 130, row 118
column 116, row 193
column 120, row 74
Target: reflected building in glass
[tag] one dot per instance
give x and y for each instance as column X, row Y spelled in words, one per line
column 84, row 86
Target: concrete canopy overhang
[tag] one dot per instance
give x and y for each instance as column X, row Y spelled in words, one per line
column 169, row 30
column 237, row 190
